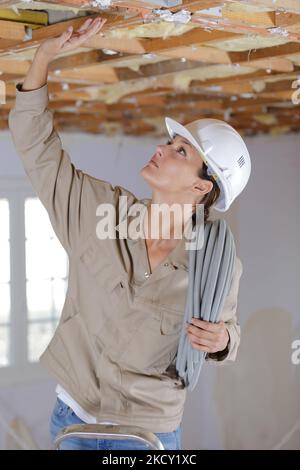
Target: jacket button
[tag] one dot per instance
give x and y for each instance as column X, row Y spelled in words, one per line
column 147, row 274
column 166, row 264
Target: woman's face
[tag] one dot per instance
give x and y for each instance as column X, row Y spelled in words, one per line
column 174, row 168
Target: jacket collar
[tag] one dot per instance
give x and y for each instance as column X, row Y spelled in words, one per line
column 179, row 256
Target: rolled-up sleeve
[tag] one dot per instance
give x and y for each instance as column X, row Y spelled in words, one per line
column 66, row 192
column 230, row 317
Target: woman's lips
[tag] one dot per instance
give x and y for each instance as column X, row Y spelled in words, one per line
column 153, row 162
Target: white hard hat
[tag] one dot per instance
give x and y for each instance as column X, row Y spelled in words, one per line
column 223, row 151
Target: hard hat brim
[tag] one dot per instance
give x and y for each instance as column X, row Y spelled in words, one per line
column 174, row 127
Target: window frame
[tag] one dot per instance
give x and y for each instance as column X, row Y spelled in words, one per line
column 20, row 369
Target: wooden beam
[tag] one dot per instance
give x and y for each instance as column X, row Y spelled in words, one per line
column 194, row 36
column 265, row 53
column 195, row 5
column 106, row 74
column 172, row 66
column 25, row 16
column 280, row 64
column 287, row 5
column 217, row 56
column 38, row 35
column 78, row 60
column 16, row 67
column 207, row 54
column 256, row 75
column 286, row 19
column 95, row 73
column 223, row 24
column 266, row 19
column 12, row 30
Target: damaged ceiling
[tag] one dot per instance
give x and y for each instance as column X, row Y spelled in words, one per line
column 186, row 59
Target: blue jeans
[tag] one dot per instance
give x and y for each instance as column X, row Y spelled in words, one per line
column 63, row 416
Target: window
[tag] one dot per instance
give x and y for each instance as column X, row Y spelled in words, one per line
column 46, row 277
column 4, row 282
column 33, row 280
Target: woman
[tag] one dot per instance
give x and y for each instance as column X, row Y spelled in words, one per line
column 113, row 352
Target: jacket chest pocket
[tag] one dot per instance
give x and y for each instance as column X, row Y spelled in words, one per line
column 155, row 343
column 105, row 286
column 101, row 263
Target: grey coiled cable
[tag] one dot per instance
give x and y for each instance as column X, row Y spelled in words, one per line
column 209, row 279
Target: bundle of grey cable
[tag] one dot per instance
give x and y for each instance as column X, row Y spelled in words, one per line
column 209, row 280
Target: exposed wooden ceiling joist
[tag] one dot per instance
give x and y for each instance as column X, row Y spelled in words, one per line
column 237, row 61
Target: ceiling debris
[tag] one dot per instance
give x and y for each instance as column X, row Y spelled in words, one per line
column 182, row 16
column 155, row 29
column 187, row 59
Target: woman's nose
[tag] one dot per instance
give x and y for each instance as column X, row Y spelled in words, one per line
column 159, row 150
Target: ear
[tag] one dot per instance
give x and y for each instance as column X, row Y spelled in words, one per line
column 202, row 187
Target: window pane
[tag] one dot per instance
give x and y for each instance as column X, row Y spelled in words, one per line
column 4, row 303
column 59, row 294
column 46, row 272
column 4, row 220
column 4, row 260
column 45, row 258
column 4, row 346
column 39, row 335
column 37, row 222
column 38, row 259
column 39, row 299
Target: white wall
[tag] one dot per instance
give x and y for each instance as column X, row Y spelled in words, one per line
column 254, row 402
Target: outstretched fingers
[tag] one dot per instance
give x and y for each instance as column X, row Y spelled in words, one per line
column 65, row 36
column 89, row 29
column 85, row 25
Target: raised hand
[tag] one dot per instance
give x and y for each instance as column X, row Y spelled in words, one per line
column 70, row 39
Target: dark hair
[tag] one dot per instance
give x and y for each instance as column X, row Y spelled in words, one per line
column 210, row 197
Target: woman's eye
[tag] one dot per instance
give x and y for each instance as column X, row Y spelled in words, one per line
column 181, row 148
